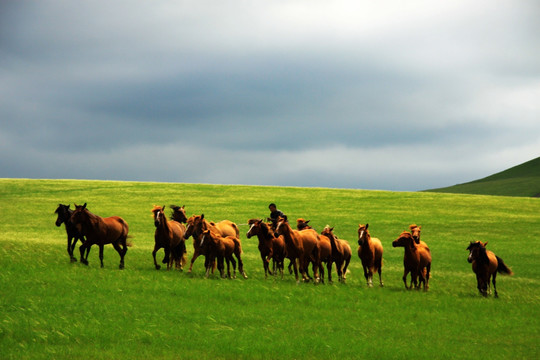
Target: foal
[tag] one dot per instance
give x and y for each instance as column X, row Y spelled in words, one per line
column 270, row 246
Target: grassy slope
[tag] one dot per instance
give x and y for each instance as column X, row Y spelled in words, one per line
column 52, row 308
column 520, row 180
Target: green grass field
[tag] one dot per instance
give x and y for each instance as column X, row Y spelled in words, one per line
column 520, row 180
column 51, row 308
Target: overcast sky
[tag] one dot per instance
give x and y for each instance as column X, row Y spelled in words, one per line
column 395, row 95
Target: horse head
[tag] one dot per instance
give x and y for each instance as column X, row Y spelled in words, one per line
column 406, row 239
column 415, row 231
column 281, row 225
column 328, row 232
column 302, row 224
column 363, row 233
column 477, row 251
column 179, row 213
column 158, row 214
column 194, row 225
column 80, row 214
column 254, row 227
column 63, row 214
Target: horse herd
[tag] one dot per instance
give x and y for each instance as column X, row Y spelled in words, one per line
column 220, row 243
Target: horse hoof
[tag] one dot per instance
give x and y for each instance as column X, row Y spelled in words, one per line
column 73, row 259
column 244, row 275
column 158, row 267
column 121, row 267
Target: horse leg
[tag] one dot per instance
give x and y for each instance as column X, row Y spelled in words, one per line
column 196, row 254
column 156, row 248
column 71, row 247
column 234, row 267
column 101, row 246
column 379, row 270
column 321, row 271
column 265, row 266
column 405, row 273
column 82, row 248
column 290, row 267
column 495, row 286
column 121, row 252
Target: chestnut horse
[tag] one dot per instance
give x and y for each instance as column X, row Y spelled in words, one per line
column 415, row 231
column 302, row 245
column 370, row 251
column 302, row 224
column 220, row 247
column 64, row 216
column 196, row 224
column 270, row 246
column 341, row 253
column 416, row 260
column 325, row 254
column 169, row 235
column 101, row 231
column 486, row 264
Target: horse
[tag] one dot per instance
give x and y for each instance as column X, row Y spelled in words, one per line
column 221, row 247
column 179, row 213
column 416, row 260
column 169, row 235
column 196, row 224
column 370, row 251
column 64, row 216
column 270, row 246
column 486, row 264
column 101, row 231
column 302, row 245
column 341, row 252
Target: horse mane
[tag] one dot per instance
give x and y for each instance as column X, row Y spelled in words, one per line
column 482, row 257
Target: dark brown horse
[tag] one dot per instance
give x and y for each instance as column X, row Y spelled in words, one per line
column 169, row 235
column 370, row 251
column 270, row 246
column 302, row 245
column 196, row 224
column 416, row 260
column 220, row 248
column 302, row 224
column 101, row 231
column 73, row 233
column 341, row 253
column 486, row 264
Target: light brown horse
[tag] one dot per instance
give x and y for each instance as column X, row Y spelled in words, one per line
column 220, row 248
column 416, row 260
column 270, row 246
column 370, row 251
column 196, row 224
column 325, row 253
column 341, row 252
column 169, row 235
column 101, row 231
column 486, row 264
column 302, row 245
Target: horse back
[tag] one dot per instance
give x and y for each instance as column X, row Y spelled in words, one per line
column 113, row 228
column 325, row 246
column 177, row 231
column 345, row 247
column 227, row 228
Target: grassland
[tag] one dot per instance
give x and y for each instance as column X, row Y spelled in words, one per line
column 50, row 308
column 520, row 180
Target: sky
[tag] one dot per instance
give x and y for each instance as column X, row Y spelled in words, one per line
column 389, row 95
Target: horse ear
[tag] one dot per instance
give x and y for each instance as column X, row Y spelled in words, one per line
column 183, row 206
column 485, row 243
column 84, row 206
column 307, row 222
column 332, row 229
column 163, row 207
column 202, row 216
column 367, row 225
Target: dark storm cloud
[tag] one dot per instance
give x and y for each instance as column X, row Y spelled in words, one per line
column 287, row 93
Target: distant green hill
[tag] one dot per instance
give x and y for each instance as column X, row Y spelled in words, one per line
column 520, row 180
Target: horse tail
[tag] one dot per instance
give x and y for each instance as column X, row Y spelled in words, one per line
column 236, row 230
column 129, row 242
column 503, row 268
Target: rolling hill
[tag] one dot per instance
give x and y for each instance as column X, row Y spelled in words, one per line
column 520, row 180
